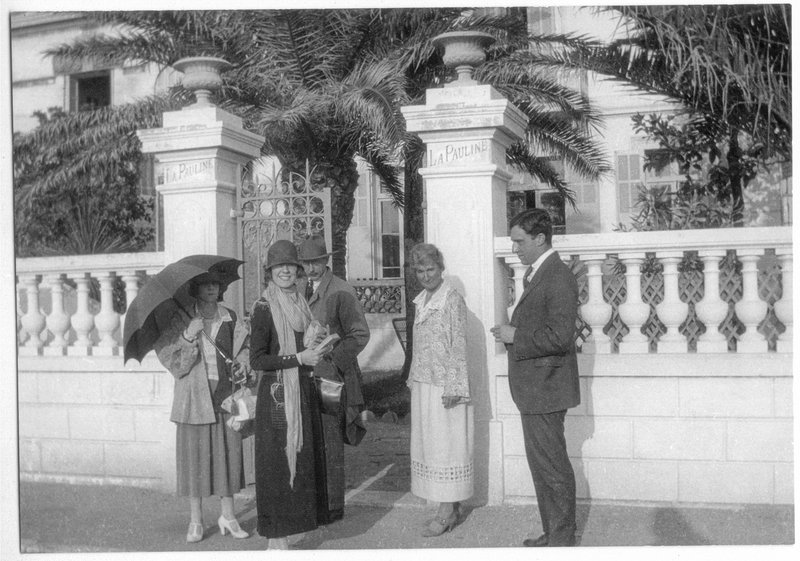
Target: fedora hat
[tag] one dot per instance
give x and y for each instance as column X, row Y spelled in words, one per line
column 282, row 252
column 313, row 248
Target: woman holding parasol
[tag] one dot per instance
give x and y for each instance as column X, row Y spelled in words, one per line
column 195, row 348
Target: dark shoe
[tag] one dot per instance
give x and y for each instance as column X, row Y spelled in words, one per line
column 330, row 516
column 541, row 541
column 439, row 526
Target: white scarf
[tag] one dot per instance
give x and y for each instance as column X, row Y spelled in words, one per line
column 289, row 313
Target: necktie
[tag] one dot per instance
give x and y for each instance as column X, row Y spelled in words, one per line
column 309, row 290
column 525, row 279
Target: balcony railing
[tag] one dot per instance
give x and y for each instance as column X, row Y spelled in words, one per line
column 87, row 297
column 703, row 291
column 381, row 296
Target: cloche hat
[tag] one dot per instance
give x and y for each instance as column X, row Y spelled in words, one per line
column 313, row 248
column 282, row 252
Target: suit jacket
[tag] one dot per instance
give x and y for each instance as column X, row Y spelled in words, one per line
column 542, row 364
column 334, row 303
column 192, row 401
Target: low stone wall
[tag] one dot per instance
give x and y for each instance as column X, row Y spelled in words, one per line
column 92, row 420
column 650, row 428
column 679, row 429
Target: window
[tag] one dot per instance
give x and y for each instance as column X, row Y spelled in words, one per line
column 662, row 177
column 629, row 178
column 390, row 240
column 361, row 196
column 525, row 192
column 553, row 203
column 90, row 91
column 662, row 173
column 541, row 21
column 585, row 217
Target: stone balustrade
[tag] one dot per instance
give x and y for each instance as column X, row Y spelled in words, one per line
column 704, row 291
column 75, row 305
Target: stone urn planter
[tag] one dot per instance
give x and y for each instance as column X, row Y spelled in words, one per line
column 463, row 50
column 201, row 75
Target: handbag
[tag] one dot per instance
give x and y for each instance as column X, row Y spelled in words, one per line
column 331, row 395
column 330, row 388
column 241, row 404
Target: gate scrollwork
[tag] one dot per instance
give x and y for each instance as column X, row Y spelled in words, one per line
column 276, row 204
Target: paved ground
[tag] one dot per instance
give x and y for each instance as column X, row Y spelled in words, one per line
column 380, row 514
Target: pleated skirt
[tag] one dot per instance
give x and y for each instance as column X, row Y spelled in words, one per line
column 209, row 459
column 441, row 446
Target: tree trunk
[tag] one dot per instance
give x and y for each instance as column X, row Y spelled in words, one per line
column 735, row 176
column 414, row 228
column 341, row 178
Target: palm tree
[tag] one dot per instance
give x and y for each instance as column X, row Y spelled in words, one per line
column 299, row 79
column 326, row 86
column 728, row 65
column 75, row 181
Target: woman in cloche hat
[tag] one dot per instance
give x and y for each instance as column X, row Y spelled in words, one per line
column 289, row 451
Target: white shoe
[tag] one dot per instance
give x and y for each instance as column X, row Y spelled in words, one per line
column 195, row 532
column 231, row 526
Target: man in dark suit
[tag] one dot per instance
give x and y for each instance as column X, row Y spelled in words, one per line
column 334, row 303
column 543, row 371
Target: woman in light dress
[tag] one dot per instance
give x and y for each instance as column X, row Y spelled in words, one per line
column 441, row 413
column 209, row 452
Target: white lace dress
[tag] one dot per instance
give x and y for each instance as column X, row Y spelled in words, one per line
column 441, row 439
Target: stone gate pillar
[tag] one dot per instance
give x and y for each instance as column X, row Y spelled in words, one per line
column 466, row 128
column 200, row 152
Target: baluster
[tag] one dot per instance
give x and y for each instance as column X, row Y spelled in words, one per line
column 783, row 307
column 33, row 322
column 751, row 309
column 107, row 321
column 131, row 280
column 83, row 319
column 672, row 311
column 519, row 274
column 712, row 309
column 596, row 311
column 58, row 320
column 22, row 335
column 634, row 312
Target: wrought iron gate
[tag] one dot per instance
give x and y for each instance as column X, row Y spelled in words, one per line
column 277, row 206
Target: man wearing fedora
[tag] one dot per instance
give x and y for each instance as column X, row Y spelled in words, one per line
column 334, row 303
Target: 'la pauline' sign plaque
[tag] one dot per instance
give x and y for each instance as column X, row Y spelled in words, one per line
column 458, row 152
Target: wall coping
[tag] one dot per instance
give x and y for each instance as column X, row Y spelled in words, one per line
column 684, row 240
column 66, row 264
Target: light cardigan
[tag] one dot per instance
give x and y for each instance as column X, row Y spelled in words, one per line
column 440, row 343
column 191, row 400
